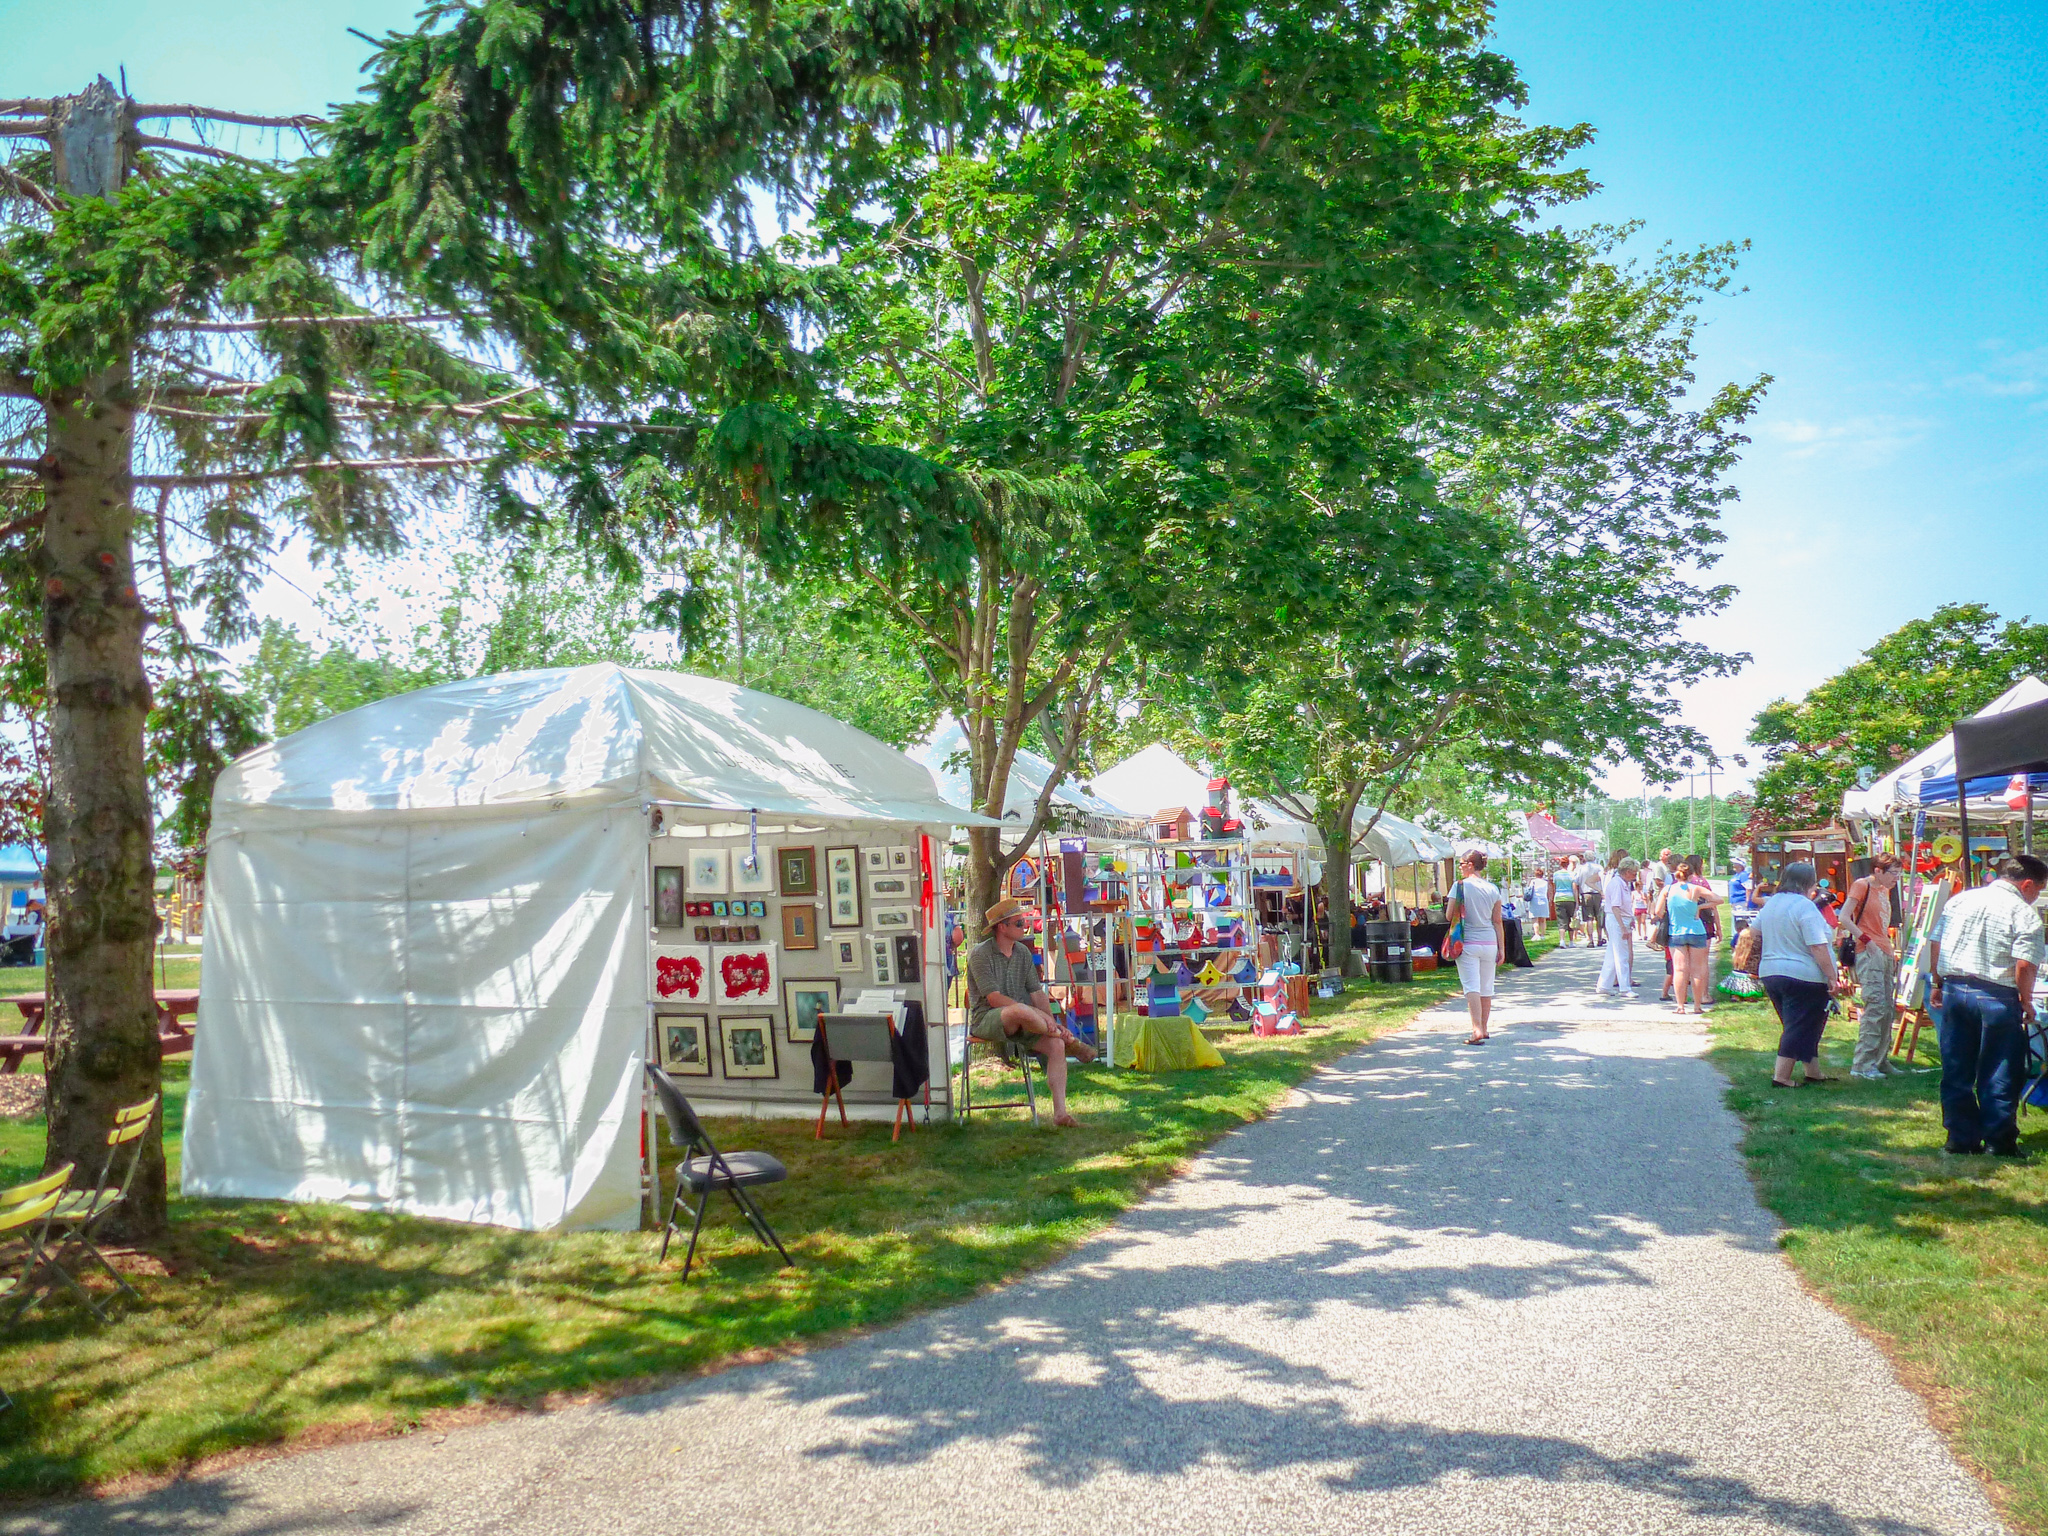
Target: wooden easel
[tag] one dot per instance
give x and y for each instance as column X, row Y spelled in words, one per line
column 861, row 1038
column 1917, row 1018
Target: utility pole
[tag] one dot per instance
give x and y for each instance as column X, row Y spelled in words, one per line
column 1713, row 863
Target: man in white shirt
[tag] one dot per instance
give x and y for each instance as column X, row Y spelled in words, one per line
column 1589, row 901
column 1618, row 896
column 1984, row 957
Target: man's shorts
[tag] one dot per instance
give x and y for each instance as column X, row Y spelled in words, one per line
column 1566, row 911
column 1591, row 905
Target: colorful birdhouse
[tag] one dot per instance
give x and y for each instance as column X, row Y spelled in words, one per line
column 1195, row 1010
column 1210, row 976
column 1173, row 824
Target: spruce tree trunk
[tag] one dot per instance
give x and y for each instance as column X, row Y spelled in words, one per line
column 1336, row 834
column 103, row 1051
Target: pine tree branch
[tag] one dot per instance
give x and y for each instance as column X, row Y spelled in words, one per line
column 149, row 142
column 23, row 187
column 249, row 476
column 23, row 466
column 225, row 327
column 41, row 128
column 41, row 104
column 208, row 115
column 21, row 525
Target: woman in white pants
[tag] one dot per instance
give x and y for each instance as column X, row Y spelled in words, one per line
column 1475, row 902
column 1617, row 971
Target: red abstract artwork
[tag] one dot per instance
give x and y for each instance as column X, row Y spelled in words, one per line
column 746, row 975
column 679, row 976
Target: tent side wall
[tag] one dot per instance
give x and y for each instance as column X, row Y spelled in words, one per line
column 439, row 1015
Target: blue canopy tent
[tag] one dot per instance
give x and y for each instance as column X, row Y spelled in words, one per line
column 21, row 876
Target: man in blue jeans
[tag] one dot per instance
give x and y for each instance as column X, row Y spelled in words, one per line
column 1984, row 956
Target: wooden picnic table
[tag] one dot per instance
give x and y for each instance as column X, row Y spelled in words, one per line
column 174, row 1005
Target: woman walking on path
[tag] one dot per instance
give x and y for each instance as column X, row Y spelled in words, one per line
column 1617, row 971
column 1539, row 901
column 1799, row 972
column 1682, row 904
column 1566, row 902
column 1475, row 902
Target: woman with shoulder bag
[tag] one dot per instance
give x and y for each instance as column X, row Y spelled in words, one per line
column 1478, row 937
column 1680, row 907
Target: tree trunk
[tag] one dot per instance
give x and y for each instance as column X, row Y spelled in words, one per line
column 985, row 871
column 1336, row 834
column 103, row 1051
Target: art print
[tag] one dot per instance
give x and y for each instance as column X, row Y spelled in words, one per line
column 701, row 932
column 799, row 925
column 876, row 859
column 683, row 1043
column 798, row 870
column 668, row 897
column 743, row 973
column 846, row 955
column 718, row 909
column 892, row 888
column 708, row 872
column 899, row 857
column 842, row 887
column 893, row 919
column 802, row 1002
column 749, row 1045
column 753, row 870
column 757, row 909
column 906, row 958
column 881, row 961
column 682, row 973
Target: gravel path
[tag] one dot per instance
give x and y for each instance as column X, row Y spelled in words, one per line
column 1519, row 1288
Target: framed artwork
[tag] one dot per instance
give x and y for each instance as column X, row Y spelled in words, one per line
column 697, row 908
column 749, row 1044
column 752, row 934
column 892, row 888
column 842, row 887
column 683, row 1042
column 752, row 872
column 881, row 961
column 803, row 1001
column 701, row 932
column 668, row 896
column 876, row 859
column 799, row 925
column 798, row 870
column 682, row 973
column 906, row 958
column 708, row 874
column 718, row 908
column 894, row 919
column 757, row 908
column 846, row 955
column 899, row 858
column 743, row 973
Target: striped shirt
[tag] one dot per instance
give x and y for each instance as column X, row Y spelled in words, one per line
column 1987, row 932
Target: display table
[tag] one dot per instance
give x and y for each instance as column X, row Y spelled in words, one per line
column 1164, row 1045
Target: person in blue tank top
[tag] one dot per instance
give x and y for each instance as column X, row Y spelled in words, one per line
column 1681, row 903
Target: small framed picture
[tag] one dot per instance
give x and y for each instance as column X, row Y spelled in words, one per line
column 752, row 871
column 697, row 908
column 842, row 887
column 892, row 888
column 718, row 908
column 682, row 973
column 893, row 919
column 749, row 1044
column 753, row 933
column 803, row 1001
column 757, row 908
column 798, row 870
column 900, row 858
column 701, row 933
column 907, row 967
column 876, row 859
column 881, row 961
column 846, row 955
column 683, row 1041
column 668, row 896
column 718, row 933
column 799, row 925
column 708, row 876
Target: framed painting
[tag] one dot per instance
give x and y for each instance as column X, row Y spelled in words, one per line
column 876, row 859
column 718, row 908
column 802, row 1002
column 753, row 871
column 901, row 858
column 907, row 968
column 701, row 932
column 743, row 973
column 797, row 870
column 757, row 908
column 749, row 1044
column 683, row 1043
column 894, row 919
column 846, row 955
column 842, row 887
column 799, row 925
column 881, row 961
column 682, row 973
column 892, row 887
column 709, row 875
column 668, row 896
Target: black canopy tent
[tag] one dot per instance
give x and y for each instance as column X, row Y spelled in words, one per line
column 2014, row 742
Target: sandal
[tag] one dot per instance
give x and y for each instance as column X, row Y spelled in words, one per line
column 1066, row 1122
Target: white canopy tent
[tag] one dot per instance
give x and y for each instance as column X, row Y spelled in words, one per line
column 1934, row 768
column 944, row 756
column 1155, row 777
column 427, row 974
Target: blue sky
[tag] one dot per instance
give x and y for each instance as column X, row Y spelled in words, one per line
column 1885, row 160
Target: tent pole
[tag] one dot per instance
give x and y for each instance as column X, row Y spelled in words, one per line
column 2027, row 826
column 1963, row 811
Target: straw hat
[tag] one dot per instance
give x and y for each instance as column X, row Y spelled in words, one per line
column 1008, row 907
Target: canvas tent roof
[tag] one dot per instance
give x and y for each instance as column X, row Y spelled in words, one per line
column 596, row 733
column 1928, row 777
column 1546, row 834
column 944, row 756
column 1156, row 776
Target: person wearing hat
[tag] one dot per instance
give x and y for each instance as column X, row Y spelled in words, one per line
column 1007, row 999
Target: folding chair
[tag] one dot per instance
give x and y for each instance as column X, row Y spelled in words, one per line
column 2037, row 1067
column 81, row 1212
column 21, row 1209
column 1011, row 1053
column 732, row 1172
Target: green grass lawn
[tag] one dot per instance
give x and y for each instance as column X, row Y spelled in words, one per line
column 1946, row 1259
column 279, row 1320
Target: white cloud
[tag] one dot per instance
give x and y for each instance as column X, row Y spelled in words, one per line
column 2006, row 374
column 1853, row 440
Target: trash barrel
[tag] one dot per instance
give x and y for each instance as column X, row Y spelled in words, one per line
column 1386, row 952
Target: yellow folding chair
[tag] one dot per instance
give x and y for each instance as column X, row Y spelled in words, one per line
column 79, row 1214
column 25, row 1216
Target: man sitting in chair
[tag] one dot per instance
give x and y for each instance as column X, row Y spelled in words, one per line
column 1007, row 999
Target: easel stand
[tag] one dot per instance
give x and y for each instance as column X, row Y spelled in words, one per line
column 1916, row 1019
column 856, row 1038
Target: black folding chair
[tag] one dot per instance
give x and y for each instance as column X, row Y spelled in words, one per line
column 1012, row 1052
column 705, row 1168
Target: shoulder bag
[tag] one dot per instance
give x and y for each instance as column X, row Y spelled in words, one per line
column 1454, row 942
column 1660, row 931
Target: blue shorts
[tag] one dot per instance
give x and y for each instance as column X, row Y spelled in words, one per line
column 1688, row 941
